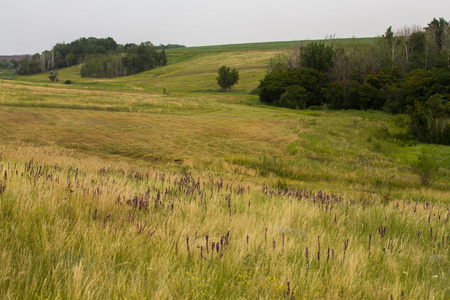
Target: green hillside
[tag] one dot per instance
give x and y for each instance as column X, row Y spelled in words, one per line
column 117, row 188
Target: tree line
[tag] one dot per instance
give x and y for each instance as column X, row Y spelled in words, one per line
column 134, row 60
column 106, row 57
column 8, row 64
column 403, row 72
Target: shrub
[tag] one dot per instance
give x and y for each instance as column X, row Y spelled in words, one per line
column 425, row 166
column 429, row 121
column 294, row 97
column 276, row 84
column 335, row 94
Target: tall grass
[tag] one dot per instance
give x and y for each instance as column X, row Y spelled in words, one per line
column 76, row 229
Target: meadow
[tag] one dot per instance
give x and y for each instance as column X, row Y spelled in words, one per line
column 159, row 186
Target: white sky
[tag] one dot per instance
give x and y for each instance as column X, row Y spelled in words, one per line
column 30, row 26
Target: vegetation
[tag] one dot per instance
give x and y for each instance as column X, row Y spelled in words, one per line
column 429, row 121
column 8, row 64
column 426, row 167
column 227, row 77
column 396, row 72
column 116, row 188
column 100, row 58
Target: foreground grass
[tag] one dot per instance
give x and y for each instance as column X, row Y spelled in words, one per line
column 119, row 188
column 75, row 228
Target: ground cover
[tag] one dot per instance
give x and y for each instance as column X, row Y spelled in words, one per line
column 158, row 185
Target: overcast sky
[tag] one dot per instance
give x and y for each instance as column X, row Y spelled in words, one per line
column 29, row 26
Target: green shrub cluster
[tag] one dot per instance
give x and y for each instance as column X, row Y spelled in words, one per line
column 429, row 121
column 303, row 82
column 403, row 73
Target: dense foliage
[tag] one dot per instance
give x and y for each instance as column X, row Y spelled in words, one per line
column 136, row 59
column 404, row 72
column 278, row 83
column 103, row 56
column 8, row 64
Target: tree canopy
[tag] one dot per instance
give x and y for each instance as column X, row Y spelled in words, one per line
column 103, row 56
column 400, row 72
column 227, row 77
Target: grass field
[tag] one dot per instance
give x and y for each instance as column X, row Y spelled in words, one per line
column 159, row 186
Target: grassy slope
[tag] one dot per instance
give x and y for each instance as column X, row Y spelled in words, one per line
column 96, row 145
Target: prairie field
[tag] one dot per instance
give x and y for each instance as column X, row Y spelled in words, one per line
column 159, row 186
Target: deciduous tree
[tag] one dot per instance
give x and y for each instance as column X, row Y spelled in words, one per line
column 227, row 77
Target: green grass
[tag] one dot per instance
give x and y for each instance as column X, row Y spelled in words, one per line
column 8, row 74
column 105, row 182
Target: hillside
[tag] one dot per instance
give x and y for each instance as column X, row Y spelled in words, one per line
column 117, row 188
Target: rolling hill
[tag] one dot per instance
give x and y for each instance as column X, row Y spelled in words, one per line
column 118, row 188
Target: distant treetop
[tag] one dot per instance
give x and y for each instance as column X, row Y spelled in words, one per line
column 140, row 57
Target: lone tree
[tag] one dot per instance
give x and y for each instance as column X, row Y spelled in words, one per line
column 227, row 77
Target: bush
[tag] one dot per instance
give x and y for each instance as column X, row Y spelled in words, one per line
column 277, row 83
column 295, row 97
column 429, row 121
column 425, row 166
column 335, row 94
column 68, row 82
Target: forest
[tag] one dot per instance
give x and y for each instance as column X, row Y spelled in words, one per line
column 406, row 72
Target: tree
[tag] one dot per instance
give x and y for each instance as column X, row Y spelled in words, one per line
column 227, row 77
column 317, row 56
column 393, row 42
column 438, row 29
column 417, row 49
column 30, row 65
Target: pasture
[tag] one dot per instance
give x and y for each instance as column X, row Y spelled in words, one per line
column 159, row 186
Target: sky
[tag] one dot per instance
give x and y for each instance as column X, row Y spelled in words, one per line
column 29, row 26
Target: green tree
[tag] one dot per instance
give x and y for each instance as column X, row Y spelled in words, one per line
column 393, row 42
column 417, row 45
column 30, row 65
column 318, row 56
column 227, row 77
column 439, row 30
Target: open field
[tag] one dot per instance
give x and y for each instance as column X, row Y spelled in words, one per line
column 159, row 186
